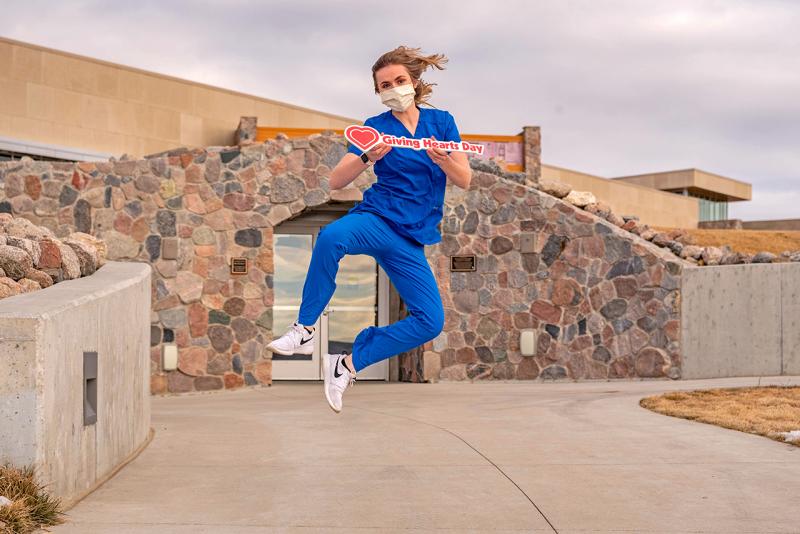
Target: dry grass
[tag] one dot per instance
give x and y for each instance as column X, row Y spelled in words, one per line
column 31, row 506
column 746, row 241
column 767, row 410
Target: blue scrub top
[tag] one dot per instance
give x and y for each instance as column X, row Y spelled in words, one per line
column 409, row 191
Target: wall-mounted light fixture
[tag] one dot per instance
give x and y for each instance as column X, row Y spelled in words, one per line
column 170, row 356
column 527, row 342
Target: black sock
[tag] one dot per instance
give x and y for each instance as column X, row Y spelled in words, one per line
column 307, row 330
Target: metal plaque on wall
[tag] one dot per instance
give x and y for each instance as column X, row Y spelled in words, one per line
column 462, row 263
column 238, row 265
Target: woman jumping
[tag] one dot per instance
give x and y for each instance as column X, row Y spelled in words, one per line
column 397, row 217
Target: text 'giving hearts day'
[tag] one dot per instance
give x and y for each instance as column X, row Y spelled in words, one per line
column 365, row 137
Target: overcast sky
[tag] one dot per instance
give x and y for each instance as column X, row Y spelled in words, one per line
column 618, row 87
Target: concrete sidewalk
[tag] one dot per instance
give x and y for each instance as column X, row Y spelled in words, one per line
column 448, row 457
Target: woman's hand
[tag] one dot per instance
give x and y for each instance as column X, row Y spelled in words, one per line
column 350, row 166
column 455, row 165
column 378, row 151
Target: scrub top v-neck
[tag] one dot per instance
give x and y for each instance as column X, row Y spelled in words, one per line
column 409, row 191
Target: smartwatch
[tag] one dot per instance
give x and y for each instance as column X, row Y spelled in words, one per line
column 365, row 158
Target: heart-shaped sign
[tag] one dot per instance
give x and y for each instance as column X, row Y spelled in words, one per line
column 364, row 137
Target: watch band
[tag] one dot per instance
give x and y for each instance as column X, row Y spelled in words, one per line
column 365, row 158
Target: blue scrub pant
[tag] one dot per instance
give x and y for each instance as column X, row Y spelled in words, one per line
column 404, row 262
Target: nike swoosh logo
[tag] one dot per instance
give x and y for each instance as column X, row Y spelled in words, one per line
column 304, row 341
column 336, row 372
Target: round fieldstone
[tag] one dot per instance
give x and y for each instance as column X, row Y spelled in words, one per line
column 243, row 329
column 82, row 215
column 764, row 257
column 470, row 223
column 67, row 197
column 14, row 261
column 265, row 320
column 228, row 156
column 238, row 201
column 189, row 287
column 601, row 354
column 203, row 235
column 87, row 256
column 236, row 363
column 221, row 337
column 450, row 224
column 286, row 188
column 218, row 317
column 625, row 267
column 134, row 208
column 193, row 360
column 155, row 335
column 166, row 223
column 234, row 306
column 501, row 245
column 249, row 237
column 487, row 328
column 621, row 325
column 614, row 309
column 249, row 379
column 40, row 277
column 484, row 354
column 505, row 214
column 650, row 362
column 466, row 301
column 566, row 292
column 208, row 383
column 553, row 372
column 28, row 245
column 153, row 246
column 178, row 382
column 314, row 197
column 172, row 318
column 50, row 257
column 147, row 183
column 478, row 370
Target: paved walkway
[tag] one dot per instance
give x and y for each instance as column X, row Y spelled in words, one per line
column 447, row 457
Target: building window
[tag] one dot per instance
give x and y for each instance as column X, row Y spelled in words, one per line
column 711, row 210
column 9, row 155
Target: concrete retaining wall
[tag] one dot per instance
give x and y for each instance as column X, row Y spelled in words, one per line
column 43, row 336
column 741, row 320
column 781, row 224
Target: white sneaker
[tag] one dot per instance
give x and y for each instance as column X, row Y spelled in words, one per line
column 297, row 340
column 337, row 378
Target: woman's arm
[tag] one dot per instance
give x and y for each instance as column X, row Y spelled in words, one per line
column 350, row 166
column 455, row 165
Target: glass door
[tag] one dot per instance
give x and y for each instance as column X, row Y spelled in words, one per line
column 292, row 254
column 361, row 285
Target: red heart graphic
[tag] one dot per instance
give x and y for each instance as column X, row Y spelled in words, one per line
column 362, row 136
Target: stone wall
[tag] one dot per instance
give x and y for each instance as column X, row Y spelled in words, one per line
column 187, row 212
column 602, row 300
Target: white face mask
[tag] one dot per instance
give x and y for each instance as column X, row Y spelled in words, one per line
column 399, row 98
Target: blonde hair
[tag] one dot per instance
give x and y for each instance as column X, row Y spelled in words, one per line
column 415, row 63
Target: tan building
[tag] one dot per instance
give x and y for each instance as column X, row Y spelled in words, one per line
column 701, row 196
column 63, row 106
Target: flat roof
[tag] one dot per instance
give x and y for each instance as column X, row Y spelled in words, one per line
column 696, row 181
column 169, row 77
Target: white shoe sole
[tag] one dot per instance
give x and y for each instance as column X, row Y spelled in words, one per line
column 326, row 371
column 305, row 351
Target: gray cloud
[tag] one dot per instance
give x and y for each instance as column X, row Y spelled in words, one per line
column 619, row 87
